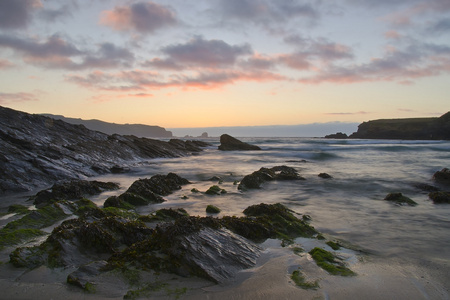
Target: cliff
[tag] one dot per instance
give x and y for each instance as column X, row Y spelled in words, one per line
column 36, row 151
column 405, row 129
column 138, row 130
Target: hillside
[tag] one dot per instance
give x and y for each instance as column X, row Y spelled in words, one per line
column 36, row 151
column 406, row 129
column 138, row 130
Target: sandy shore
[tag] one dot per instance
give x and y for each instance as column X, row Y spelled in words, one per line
column 376, row 279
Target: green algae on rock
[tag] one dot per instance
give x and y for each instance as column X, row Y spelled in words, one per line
column 330, row 263
column 300, row 280
column 212, row 209
column 400, row 199
column 215, row 190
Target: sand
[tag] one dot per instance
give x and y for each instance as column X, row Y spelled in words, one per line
column 377, row 278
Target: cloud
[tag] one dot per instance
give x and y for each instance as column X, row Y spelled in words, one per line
column 440, row 26
column 313, row 52
column 201, row 53
column 403, row 66
column 16, row 14
column 265, row 11
column 139, row 80
column 6, row 98
column 56, row 53
column 5, row 64
column 142, row 17
column 59, row 13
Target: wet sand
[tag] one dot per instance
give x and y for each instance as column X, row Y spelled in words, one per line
column 376, row 279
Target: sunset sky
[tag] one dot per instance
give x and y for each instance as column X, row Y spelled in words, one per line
column 209, row 63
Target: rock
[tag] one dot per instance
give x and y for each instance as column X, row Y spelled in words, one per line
column 147, row 191
column 325, row 176
column 257, row 178
column 71, row 190
column 215, row 190
column 84, row 276
column 440, row 197
column 398, row 198
column 426, row 187
column 215, row 178
column 212, row 209
column 338, row 135
column 229, row 143
column 37, row 151
column 442, row 176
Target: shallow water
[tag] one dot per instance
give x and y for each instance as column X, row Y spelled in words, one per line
column 349, row 206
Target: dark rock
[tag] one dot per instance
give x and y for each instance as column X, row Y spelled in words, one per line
column 338, row 135
column 215, row 178
column 257, row 178
column 440, row 197
column 84, row 276
column 325, row 176
column 38, row 151
column 426, row 187
column 147, row 191
column 119, row 170
column 229, row 143
column 70, row 190
column 398, row 198
column 442, row 176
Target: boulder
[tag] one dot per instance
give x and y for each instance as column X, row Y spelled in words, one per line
column 442, row 176
column 440, row 197
column 147, row 191
column 229, row 143
column 398, row 198
column 257, row 178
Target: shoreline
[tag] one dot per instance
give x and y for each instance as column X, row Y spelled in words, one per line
column 378, row 278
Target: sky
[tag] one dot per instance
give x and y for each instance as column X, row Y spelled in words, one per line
column 211, row 63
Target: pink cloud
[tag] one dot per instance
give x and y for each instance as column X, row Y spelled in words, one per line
column 143, row 17
column 6, row 98
column 5, row 64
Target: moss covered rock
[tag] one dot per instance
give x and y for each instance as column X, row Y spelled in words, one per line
column 330, row 263
column 440, row 197
column 398, row 198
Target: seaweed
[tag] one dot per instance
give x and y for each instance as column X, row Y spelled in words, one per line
column 300, row 280
column 330, row 263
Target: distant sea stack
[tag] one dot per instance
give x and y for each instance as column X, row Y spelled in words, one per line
column 138, row 130
column 403, row 129
column 229, row 143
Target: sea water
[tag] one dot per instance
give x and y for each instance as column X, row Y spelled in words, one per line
column 348, row 207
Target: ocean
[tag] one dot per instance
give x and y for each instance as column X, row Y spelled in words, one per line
column 349, row 206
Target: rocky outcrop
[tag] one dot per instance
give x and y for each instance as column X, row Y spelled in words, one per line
column 406, row 129
column 146, row 191
column 229, row 143
column 37, row 151
column 211, row 248
column 257, row 178
column 71, row 190
column 338, row 135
